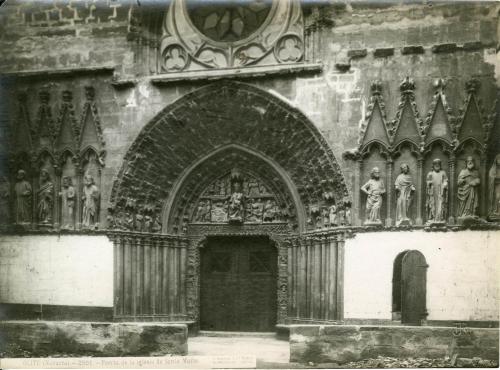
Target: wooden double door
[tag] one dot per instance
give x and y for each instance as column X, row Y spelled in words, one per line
column 238, row 284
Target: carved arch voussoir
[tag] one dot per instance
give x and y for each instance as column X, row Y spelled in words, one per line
column 270, row 126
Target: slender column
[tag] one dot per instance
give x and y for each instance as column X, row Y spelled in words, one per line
column 356, row 211
column 420, row 190
column 79, row 193
column 452, row 189
column 483, row 191
column 389, row 185
column 340, row 277
column 56, row 211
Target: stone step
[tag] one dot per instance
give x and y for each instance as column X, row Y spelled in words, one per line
column 225, row 334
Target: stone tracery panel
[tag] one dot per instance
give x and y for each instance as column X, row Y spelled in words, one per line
column 198, row 36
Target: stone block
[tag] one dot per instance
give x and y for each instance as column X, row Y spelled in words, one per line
column 44, row 338
column 358, row 53
column 444, row 48
column 412, row 50
column 383, row 53
column 473, row 46
column 344, row 343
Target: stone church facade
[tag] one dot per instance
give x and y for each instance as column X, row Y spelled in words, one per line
column 250, row 167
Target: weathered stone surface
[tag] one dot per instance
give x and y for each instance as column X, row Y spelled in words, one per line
column 444, row 48
column 360, row 53
column 344, row 343
column 382, row 53
column 41, row 338
column 412, row 50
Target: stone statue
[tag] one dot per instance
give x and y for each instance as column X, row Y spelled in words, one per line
column 404, row 191
column 437, row 193
column 68, row 198
column 374, row 189
column 23, row 192
column 45, row 198
column 332, row 215
column 236, row 207
column 494, row 189
column 468, row 190
column 90, row 202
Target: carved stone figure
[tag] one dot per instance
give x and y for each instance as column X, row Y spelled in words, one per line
column 219, row 211
column 203, row 211
column 90, row 202
column 45, row 198
column 23, row 192
column 374, row 188
column 332, row 215
column 325, row 212
column 468, row 189
column 437, row 193
column 236, row 207
column 68, row 198
column 494, row 190
column 269, row 212
column 404, row 191
column 254, row 210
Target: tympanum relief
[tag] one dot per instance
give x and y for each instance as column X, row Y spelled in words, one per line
column 237, row 199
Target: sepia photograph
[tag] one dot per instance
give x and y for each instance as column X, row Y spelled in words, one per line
column 241, row 184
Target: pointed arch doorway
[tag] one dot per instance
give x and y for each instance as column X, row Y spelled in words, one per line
column 174, row 194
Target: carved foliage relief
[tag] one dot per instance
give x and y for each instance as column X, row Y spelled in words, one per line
column 230, row 34
column 50, row 156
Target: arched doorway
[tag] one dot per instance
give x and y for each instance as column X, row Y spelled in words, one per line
column 176, row 188
column 409, row 286
column 238, row 284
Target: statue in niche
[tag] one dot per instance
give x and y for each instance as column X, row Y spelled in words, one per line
column 374, row 188
column 90, row 203
column 404, row 191
column 236, row 206
column 325, row 212
column 68, row 198
column 203, row 211
column 23, row 192
column 437, row 193
column 45, row 198
column 468, row 190
column 494, row 189
column 332, row 215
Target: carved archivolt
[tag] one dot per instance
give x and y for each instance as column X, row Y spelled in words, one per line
column 229, row 125
column 199, row 36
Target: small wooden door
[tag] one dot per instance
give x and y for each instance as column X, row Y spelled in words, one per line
column 238, row 285
column 413, row 288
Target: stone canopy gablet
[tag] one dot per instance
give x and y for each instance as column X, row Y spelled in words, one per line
column 206, row 134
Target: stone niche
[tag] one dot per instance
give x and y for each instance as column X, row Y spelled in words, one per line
column 419, row 143
column 55, row 163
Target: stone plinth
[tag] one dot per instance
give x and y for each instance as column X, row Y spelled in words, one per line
column 345, row 343
column 44, row 338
